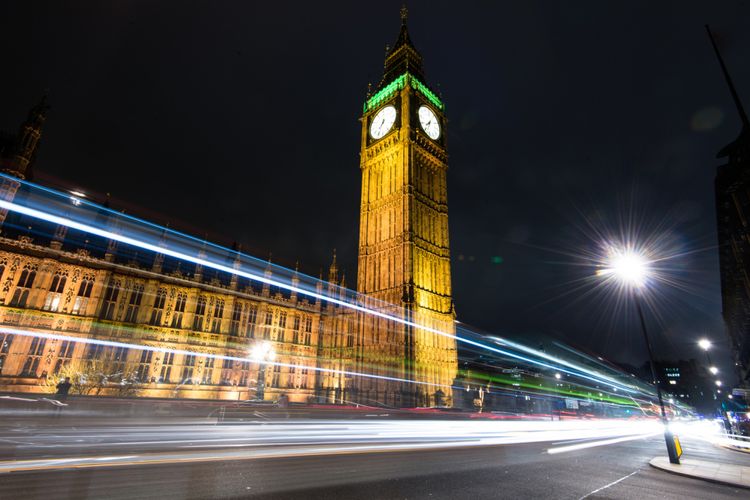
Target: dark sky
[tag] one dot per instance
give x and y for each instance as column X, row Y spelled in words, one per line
column 240, row 120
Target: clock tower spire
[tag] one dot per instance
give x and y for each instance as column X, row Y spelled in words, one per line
column 404, row 258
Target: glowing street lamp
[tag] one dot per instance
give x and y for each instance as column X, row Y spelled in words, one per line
column 262, row 353
column 706, row 344
column 632, row 271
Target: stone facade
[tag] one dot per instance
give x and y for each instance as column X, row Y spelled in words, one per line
column 48, row 289
column 404, row 256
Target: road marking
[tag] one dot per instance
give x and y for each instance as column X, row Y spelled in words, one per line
column 592, row 444
column 609, row 485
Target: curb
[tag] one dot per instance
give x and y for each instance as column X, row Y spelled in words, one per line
column 693, row 476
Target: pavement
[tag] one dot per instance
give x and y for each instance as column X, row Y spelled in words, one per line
column 729, row 474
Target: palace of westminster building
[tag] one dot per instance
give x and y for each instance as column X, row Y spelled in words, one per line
column 94, row 292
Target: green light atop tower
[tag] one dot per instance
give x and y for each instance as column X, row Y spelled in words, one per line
column 389, row 90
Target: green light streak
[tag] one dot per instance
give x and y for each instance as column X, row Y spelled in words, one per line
column 387, row 92
column 581, row 394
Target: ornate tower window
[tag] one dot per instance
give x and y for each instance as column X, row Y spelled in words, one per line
column 95, row 352
column 234, row 326
column 144, row 366
column 84, row 294
column 6, row 339
column 307, row 338
column 267, row 325
column 276, row 378
column 36, row 351
column 131, row 314
column 217, row 317
column 166, row 367
column 252, row 319
column 158, row 310
column 200, row 314
column 226, row 371
column 54, row 294
column 179, row 310
column 282, row 326
column 119, row 360
column 244, row 373
column 208, row 371
column 23, row 287
column 110, row 299
column 64, row 355
column 188, row 366
column 295, row 329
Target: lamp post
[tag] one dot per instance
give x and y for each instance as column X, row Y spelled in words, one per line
column 631, row 270
column 262, row 353
column 706, row 344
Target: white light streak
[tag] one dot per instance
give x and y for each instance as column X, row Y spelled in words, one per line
column 65, row 221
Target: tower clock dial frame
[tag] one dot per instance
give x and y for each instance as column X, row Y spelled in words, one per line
column 429, row 122
column 383, row 121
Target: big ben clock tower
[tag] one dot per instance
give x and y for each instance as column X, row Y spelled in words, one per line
column 404, row 260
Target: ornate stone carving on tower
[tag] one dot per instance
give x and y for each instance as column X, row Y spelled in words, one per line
column 404, row 261
column 17, row 152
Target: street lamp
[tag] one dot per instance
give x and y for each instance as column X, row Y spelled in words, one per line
column 705, row 344
column 632, row 271
column 262, row 353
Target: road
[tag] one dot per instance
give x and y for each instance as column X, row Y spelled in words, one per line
column 345, row 459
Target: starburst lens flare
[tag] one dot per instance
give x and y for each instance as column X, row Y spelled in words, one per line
column 627, row 266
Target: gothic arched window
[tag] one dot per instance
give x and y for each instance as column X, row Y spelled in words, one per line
column 158, row 310
column 84, row 294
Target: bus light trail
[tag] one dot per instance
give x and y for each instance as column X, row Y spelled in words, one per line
column 134, row 240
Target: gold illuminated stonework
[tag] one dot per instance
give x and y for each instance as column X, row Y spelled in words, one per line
column 47, row 289
column 404, row 257
column 188, row 317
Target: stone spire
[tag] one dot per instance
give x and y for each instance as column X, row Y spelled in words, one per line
column 267, row 273
column 234, row 280
column 295, row 282
column 17, row 156
column 198, row 273
column 403, row 56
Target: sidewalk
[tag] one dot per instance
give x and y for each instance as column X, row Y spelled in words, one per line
column 729, row 474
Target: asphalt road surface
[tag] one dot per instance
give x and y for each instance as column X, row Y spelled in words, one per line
column 192, row 461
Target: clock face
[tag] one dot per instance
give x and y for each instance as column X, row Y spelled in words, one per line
column 429, row 122
column 382, row 122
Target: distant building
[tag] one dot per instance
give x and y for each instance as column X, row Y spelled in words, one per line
column 732, row 187
column 687, row 381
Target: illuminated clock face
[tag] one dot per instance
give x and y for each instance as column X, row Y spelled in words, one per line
column 382, row 122
column 429, row 122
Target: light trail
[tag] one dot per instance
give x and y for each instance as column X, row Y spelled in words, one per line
column 162, row 249
column 131, row 445
column 593, row 444
column 114, row 343
column 134, row 240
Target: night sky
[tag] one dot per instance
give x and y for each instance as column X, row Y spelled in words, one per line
column 239, row 120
